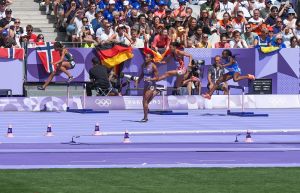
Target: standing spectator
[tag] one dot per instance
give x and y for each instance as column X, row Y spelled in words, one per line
column 223, row 42
column 271, row 20
column 278, row 42
column 245, row 7
column 180, row 12
column 204, row 43
column 256, row 22
column 279, row 26
column 136, row 42
column 121, row 36
column 2, row 8
column 263, row 40
column 225, row 7
column 249, row 36
column 8, row 20
column 96, row 22
column 77, row 21
column 264, row 12
column 161, row 41
column 106, row 35
column 90, row 14
column 237, row 42
column 290, row 21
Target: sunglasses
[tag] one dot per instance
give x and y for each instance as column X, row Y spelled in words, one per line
column 41, row 38
column 279, row 38
column 205, row 37
column 8, row 12
column 29, row 30
column 17, row 22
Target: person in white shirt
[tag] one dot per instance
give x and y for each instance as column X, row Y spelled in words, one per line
column 121, row 36
column 225, row 6
column 237, row 42
column 136, row 42
column 245, row 6
column 259, row 4
column 90, row 14
column 290, row 21
column 106, row 35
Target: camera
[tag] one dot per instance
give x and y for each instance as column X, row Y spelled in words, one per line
column 197, row 65
column 129, row 77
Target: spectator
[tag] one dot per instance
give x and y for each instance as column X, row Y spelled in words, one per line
column 239, row 22
column 249, row 36
column 168, row 20
column 161, row 41
column 180, row 12
column 208, row 6
column 214, row 37
column 271, row 34
column 59, row 12
column 2, row 8
column 225, row 7
column 192, row 27
column 222, row 24
column 90, row 14
column 296, row 31
column 77, row 21
column 214, row 73
column 271, row 20
column 160, row 12
column 133, row 19
column 17, row 31
column 223, row 42
column 264, row 12
column 121, row 36
column 245, row 7
column 189, row 43
column 229, row 31
column 290, row 21
column 136, row 42
column 8, row 20
column 6, row 41
column 40, row 38
column 259, row 4
column 110, row 9
column 204, row 43
column 143, row 25
column 96, row 22
column 85, row 29
column 188, row 17
column 278, row 42
column 256, row 22
column 106, row 35
column 196, row 38
column 237, row 42
column 287, row 35
column 205, row 22
column 263, row 40
column 279, row 26
column 293, row 43
column 30, row 35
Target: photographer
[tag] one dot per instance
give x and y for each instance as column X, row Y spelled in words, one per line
column 214, row 73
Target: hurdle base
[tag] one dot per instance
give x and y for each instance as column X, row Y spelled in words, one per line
column 85, row 111
column 246, row 114
column 167, row 112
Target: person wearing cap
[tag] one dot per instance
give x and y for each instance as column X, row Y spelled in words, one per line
column 8, row 20
column 239, row 22
column 291, row 19
column 265, row 11
column 249, row 36
column 271, row 34
column 6, row 41
column 237, row 42
column 161, row 12
column 278, row 42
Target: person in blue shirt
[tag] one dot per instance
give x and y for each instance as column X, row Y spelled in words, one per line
column 278, row 42
column 103, row 4
column 263, row 40
column 234, row 72
column 96, row 22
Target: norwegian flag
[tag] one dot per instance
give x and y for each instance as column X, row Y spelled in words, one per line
column 12, row 53
column 47, row 55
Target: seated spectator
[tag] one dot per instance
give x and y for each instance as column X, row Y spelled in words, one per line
column 229, row 31
column 188, row 17
column 249, row 36
column 168, row 20
column 96, row 22
column 208, row 6
column 17, row 31
column 224, row 7
column 204, row 43
column 290, row 21
column 293, row 43
column 30, row 35
column 8, row 20
column 6, row 41
column 192, row 27
column 214, row 73
column 245, row 7
column 173, row 34
column 133, row 19
column 40, row 38
column 196, row 38
column 161, row 41
column 259, row 4
column 223, row 42
column 77, row 21
column 86, row 26
column 87, row 38
column 59, row 12
column 238, row 23
column 99, row 76
column 106, row 35
column 181, row 35
column 271, row 20
column 136, row 42
column 278, row 42
column 237, row 42
column 214, row 37
column 264, row 12
column 142, row 24
column 279, row 26
column 263, row 40
column 189, row 43
column 111, row 8
column 256, row 22
column 286, row 35
column 222, row 24
column 296, row 31
column 121, row 36
column 205, row 22
column 271, row 34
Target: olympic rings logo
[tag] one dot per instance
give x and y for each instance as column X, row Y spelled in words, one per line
column 103, row 102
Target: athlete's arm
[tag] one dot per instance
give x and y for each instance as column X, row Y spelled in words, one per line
column 231, row 61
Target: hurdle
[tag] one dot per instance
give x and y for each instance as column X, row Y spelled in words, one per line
column 164, row 111
column 242, row 113
column 83, row 110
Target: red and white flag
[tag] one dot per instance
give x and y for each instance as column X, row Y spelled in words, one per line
column 47, row 55
column 12, row 53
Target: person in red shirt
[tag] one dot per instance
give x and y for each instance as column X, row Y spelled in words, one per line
column 161, row 41
column 161, row 12
column 223, row 42
column 180, row 12
column 30, row 36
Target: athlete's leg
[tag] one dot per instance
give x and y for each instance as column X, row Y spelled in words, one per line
column 237, row 77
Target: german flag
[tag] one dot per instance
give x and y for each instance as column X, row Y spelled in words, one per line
column 113, row 54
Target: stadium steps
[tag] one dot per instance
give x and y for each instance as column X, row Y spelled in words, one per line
column 30, row 12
